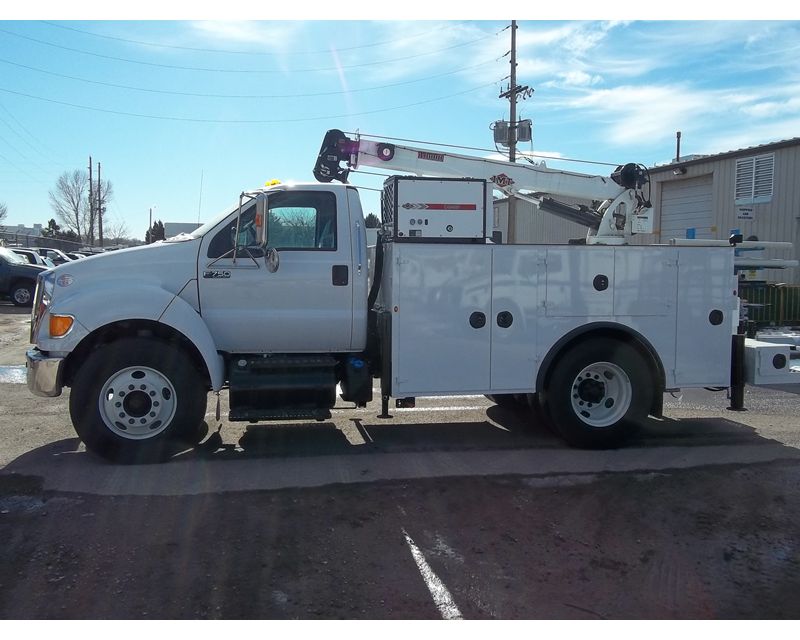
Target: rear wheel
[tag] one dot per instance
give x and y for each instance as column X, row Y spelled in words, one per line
column 137, row 400
column 599, row 393
column 22, row 294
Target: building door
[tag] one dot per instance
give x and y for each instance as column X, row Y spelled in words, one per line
column 686, row 204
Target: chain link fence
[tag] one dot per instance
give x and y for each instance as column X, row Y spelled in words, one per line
column 26, row 240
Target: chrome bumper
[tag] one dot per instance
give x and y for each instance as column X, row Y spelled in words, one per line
column 44, row 373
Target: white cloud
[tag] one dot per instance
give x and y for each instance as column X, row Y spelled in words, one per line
column 575, row 78
column 275, row 36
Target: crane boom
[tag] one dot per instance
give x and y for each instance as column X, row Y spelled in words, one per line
column 623, row 212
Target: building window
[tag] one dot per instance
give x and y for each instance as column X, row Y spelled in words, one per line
column 754, row 179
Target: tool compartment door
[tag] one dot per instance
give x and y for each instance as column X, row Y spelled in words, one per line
column 517, row 274
column 441, row 322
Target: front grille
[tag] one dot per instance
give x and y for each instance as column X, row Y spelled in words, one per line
column 37, row 310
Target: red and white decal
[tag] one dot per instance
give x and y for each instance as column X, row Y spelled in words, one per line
column 439, row 206
column 502, row 180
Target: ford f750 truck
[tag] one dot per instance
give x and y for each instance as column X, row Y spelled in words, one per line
column 279, row 301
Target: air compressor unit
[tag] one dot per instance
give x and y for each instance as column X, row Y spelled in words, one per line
column 436, row 209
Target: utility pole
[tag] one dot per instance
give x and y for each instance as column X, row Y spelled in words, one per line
column 513, row 132
column 512, row 99
column 150, row 228
column 100, row 208
column 91, row 201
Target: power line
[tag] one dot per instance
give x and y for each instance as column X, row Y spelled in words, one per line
column 247, row 96
column 214, row 121
column 47, row 159
column 252, row 53
column 23, row 127
column 23, row 156
column 215, row 70
column 21, row 170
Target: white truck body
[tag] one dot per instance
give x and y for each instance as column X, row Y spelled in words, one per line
column 597, row 332
column 663, row 294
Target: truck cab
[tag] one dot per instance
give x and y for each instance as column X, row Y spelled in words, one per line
column 269, row 300
column 315, row 301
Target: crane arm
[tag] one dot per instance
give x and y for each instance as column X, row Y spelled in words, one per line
column 623, row 211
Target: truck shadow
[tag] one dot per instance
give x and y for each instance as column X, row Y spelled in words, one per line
column 505, row 430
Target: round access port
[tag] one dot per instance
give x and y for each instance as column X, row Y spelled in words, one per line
column 779, row 361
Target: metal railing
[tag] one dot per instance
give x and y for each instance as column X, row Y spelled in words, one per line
column 770, row 304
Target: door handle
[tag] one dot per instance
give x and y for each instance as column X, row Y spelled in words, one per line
column 340, row 275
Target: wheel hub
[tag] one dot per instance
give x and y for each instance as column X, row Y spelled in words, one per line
column 137, row 403
column 591, row 390
column 601, row 394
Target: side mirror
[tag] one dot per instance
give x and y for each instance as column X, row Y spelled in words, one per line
column 260, row 222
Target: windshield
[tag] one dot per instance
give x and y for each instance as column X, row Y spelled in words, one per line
column 11, row 257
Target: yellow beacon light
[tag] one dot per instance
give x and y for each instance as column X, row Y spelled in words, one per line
column 271, row 183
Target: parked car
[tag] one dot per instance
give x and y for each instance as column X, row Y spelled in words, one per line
column 56, row 255
column 18, row 277
column 32, row 257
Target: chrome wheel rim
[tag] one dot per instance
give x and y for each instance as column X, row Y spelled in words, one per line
column 22, row 296
column 601, row 394
column 137, row 403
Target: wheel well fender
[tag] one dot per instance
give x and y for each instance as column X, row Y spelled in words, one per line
column 612, row 331
column 183, row 318
column 186, row 336
column 21, row 280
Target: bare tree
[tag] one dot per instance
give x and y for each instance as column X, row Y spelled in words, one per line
column 3, row 211
column 115, row 229
column 68, row 200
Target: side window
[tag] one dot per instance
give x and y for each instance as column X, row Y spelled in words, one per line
column 222, row 243
column 302, row 220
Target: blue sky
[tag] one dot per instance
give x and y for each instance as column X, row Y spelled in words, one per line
column 168, row 105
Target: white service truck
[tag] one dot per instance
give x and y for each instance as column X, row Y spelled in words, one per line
column 278, row 301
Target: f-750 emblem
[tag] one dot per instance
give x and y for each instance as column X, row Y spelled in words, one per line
column 216, row 273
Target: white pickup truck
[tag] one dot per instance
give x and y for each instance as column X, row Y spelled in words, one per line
column 275, row 300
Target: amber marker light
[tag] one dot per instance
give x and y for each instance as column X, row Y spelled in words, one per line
column 60, row 325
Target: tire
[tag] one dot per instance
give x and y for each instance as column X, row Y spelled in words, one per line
column 598, row 393
column 22, row 294
column 137, row 400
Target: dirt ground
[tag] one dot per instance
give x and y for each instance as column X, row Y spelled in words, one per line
column 653, row 545
column 15, row 324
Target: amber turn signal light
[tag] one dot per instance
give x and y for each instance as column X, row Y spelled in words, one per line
column 60, row 325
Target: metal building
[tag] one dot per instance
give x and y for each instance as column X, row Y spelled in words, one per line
column 755, row 190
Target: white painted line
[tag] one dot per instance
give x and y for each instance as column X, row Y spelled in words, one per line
column 411, row 409
column 463, row 408
column 452, row 395
column 441, row 596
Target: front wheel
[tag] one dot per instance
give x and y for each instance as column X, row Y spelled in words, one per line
column 136, row 400
column 599, row 393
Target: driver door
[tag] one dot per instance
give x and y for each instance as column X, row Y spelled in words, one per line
column 306, row 306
